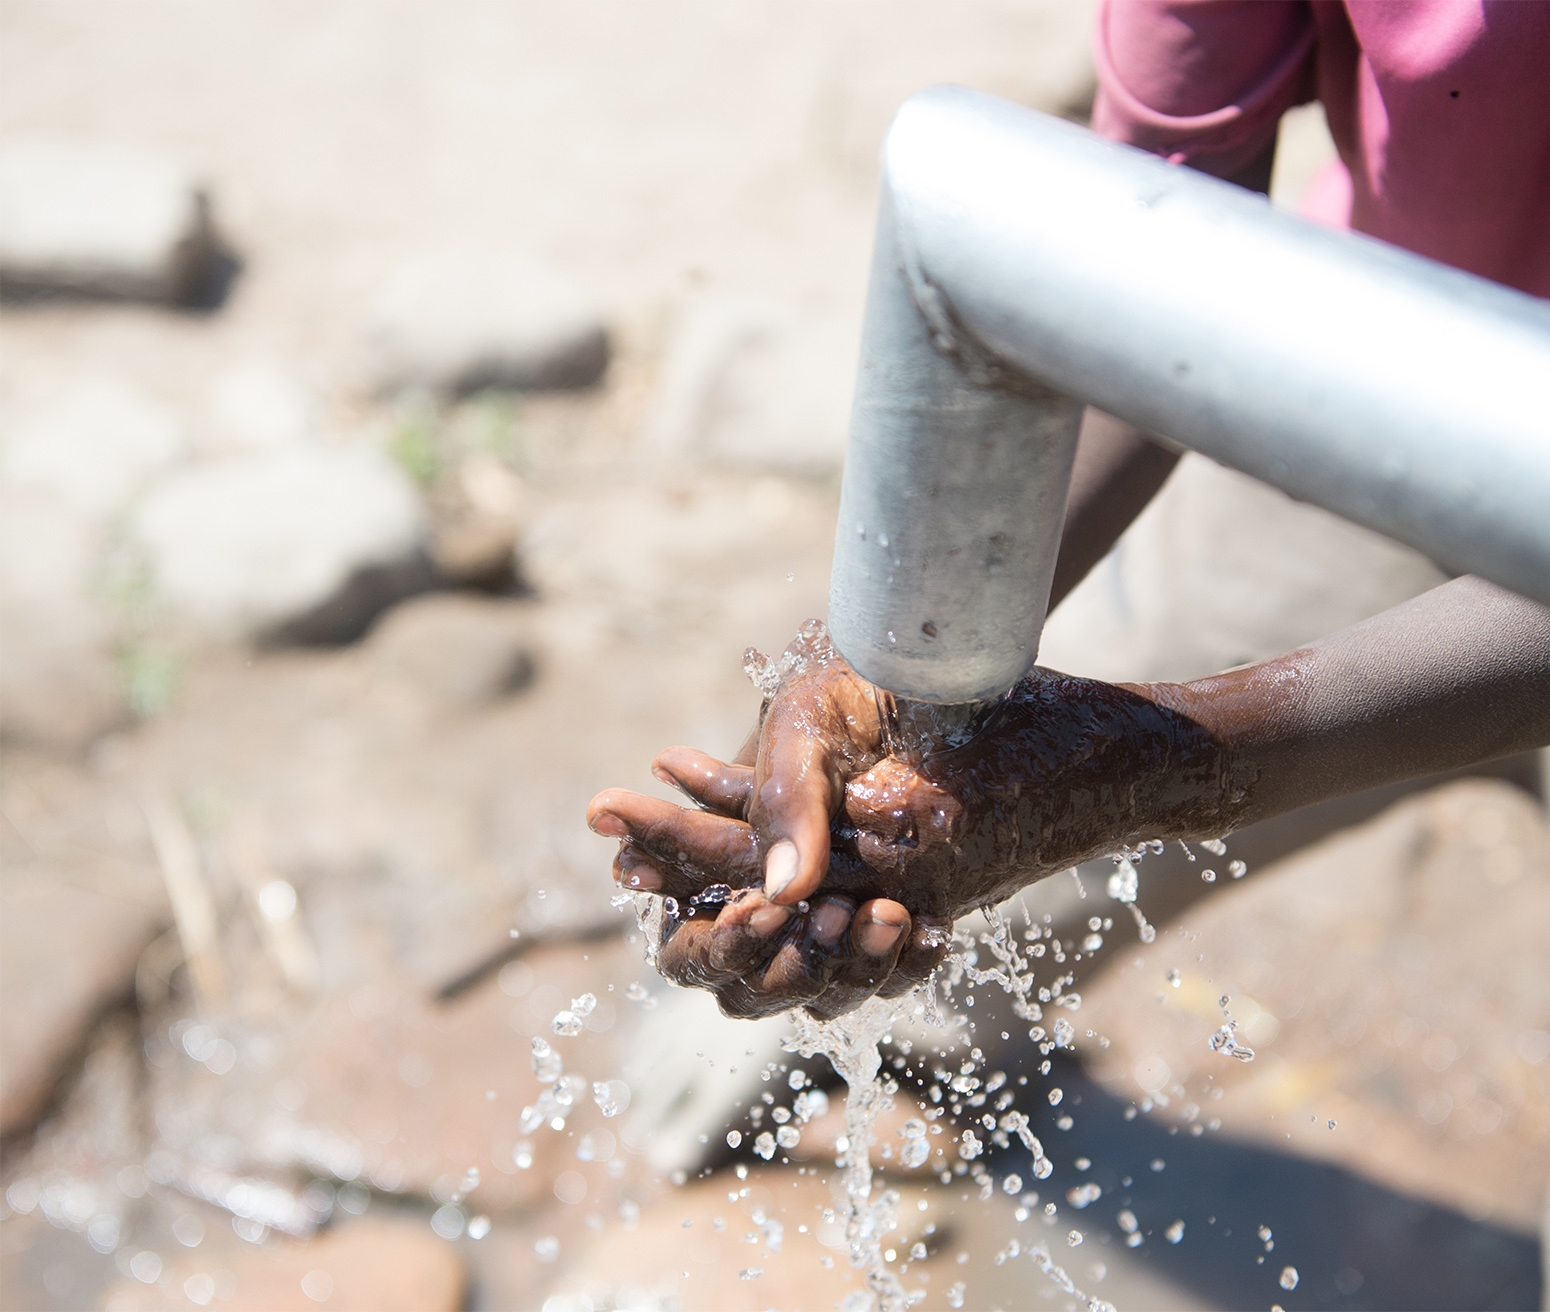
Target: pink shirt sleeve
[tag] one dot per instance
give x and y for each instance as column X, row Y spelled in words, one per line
column 1438, row 109
column 1201, row 82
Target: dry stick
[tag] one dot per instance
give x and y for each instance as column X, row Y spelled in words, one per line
column 193, row 909
column 279, row 917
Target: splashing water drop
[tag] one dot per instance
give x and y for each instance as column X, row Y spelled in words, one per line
column 547, row 1064
column 1124, row 883
column 1209, row 876
column 733, row 1138
column 1289, row 1277
column 1013, row 1184
column 1074, row 1238
column 1214, row 846
column 1174, row 1234
column 1055, row 1095
column 1237, row 869
column 764, row 1145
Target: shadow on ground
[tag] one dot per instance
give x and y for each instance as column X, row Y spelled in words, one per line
column 1353, row 1243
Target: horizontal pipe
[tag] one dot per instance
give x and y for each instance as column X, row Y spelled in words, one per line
column 1037, row 258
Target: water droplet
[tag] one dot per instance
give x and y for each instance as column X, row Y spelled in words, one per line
column 547, row 1248
column 1124, row 882
column 478, row 1227
column 1055, row 1095
column 1214, row 846
column 1127, row 1221
column 1084, row 1195
column 1174, row 1233
column 1289, row 1277
column 547, row 1064
column 1209, row 876
column 955, row 1294
column 567, row 1024
column 636, row 993
column 1175, row 978
column 1074, row 1238
column 788, row 1136
column 914, row 1153
column 764, row 1145
column 1237, row 869
column 733, row 1138
column 447, row 1221
column 750, row 1273
column 1013, row 1184
column 611, row 1096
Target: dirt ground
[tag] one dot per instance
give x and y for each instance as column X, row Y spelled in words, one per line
column 282, row 920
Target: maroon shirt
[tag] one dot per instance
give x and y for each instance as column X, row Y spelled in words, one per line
column 1440, row 110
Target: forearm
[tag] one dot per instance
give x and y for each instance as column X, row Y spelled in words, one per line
column 1118, row 471
column 1457, row 676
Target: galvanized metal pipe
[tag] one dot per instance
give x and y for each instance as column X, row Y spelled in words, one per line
column 1025, row 266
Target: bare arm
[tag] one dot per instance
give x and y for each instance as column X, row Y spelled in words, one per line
column 1456, row 676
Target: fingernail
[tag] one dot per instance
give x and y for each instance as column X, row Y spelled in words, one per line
column 877, row 937
column 643, row 878
column 780, row 868
column 609, row 825
column 767, row 920
column 829, row 923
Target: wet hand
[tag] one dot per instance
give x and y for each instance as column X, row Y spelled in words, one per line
column 827, row 871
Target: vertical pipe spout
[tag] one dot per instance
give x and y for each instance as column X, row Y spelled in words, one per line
column 952, row 502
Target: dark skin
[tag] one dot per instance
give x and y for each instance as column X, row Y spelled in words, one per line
column 848, row 865
column 889, row 851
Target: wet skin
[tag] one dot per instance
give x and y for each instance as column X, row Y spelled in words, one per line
column 849, row 865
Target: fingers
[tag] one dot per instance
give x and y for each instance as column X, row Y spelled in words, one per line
column 928, row 942
column 717, row 954
column 713, row 848
column 709, row 782
column 792, row 808
column 876, row 935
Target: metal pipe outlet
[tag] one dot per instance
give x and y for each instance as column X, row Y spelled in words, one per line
column 1025, row 267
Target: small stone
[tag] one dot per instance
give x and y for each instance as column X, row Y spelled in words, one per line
column 462, row 318
column 98, row 218
column 251, row 543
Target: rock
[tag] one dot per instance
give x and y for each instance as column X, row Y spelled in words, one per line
column 461, row 318
column 463, row 650
column 99, row 218
column 1391, row 983
column 756, row 385
column 94, row 447
column 379, row 1083
column 257, row 406
column 1221, row 570
column 68, row 954
column 368, row 1265
column 777, row 1239
column 248, row 543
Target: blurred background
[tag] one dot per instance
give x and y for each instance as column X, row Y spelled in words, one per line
column 411, row 412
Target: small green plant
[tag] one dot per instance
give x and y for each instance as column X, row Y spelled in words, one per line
column 150, row 676
column 415, row 448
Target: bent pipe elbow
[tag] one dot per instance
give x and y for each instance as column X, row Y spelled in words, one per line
column 1025, row 267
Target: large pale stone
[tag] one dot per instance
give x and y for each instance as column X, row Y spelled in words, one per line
column 248, row 543
column 93, row 447
column 100, row 218
column 755, row 384
column 461, row 318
